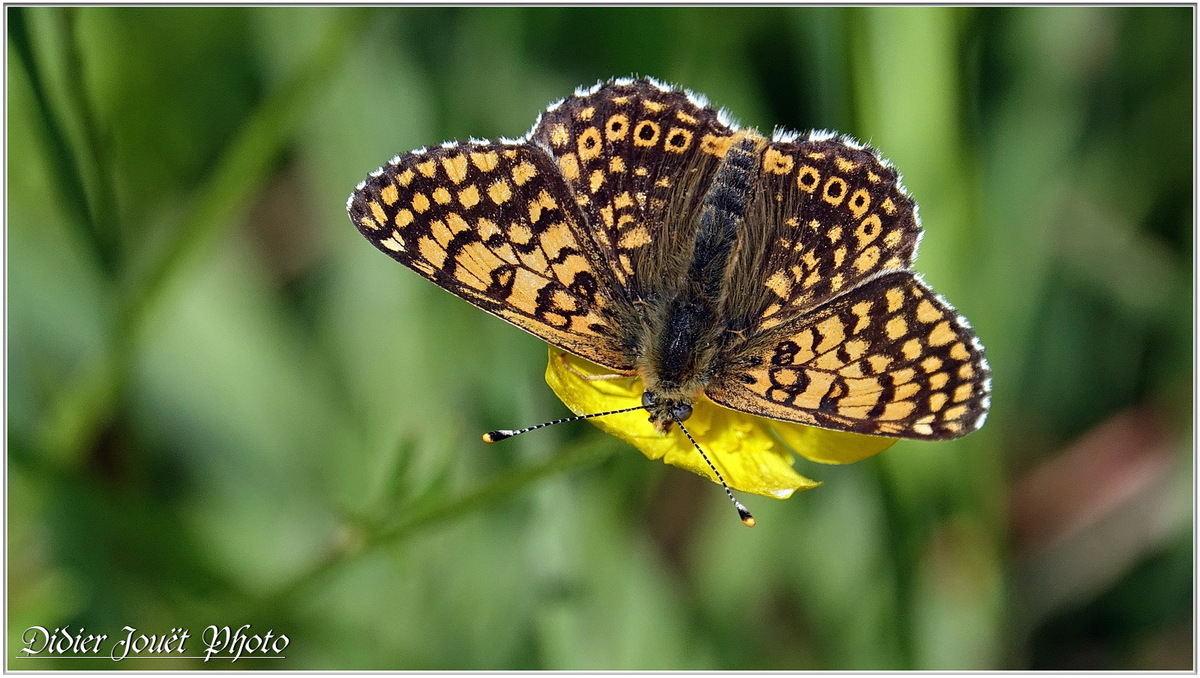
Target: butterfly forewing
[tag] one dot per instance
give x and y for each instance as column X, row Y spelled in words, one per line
column 887, row 358
column 829, row 214
column 496, row 225
column 639, row 158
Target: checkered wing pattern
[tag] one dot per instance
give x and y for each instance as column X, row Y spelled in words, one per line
column 494, row 223
column 829, row 214
column 889, row 357
column 639, row 158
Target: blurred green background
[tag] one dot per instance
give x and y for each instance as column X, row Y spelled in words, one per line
column 225, row 407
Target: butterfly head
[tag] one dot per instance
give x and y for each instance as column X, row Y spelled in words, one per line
column 666, row 408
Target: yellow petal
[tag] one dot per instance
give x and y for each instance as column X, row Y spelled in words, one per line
column 741, row 446
column 827, row 446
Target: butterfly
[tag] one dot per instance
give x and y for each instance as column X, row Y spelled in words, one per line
column 638, row 228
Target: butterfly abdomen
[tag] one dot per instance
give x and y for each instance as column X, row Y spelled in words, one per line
column 721, row 216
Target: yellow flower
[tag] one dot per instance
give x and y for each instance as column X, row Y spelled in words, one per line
column 754, row 454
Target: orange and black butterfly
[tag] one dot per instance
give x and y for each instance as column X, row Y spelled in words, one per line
column 638, row 228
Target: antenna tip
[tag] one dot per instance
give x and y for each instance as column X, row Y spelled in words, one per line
column 747, row 519
column 495, row 436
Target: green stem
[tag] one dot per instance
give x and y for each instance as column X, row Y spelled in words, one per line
column 373, row 537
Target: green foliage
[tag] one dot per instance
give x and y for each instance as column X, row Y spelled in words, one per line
column 225, row 408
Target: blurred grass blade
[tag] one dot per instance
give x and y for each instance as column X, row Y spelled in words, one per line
column 94, row 156
column 101, row 238
column 243, row 167
column 84, row 405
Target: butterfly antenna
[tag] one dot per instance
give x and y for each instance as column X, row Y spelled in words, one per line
column 744, row 514
column 497, row 436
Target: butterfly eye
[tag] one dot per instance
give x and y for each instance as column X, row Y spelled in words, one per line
column 648, row 399
column 681, row 412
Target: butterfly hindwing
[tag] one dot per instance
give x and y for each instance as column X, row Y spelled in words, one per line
column 888, row 358
column 493, row 223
